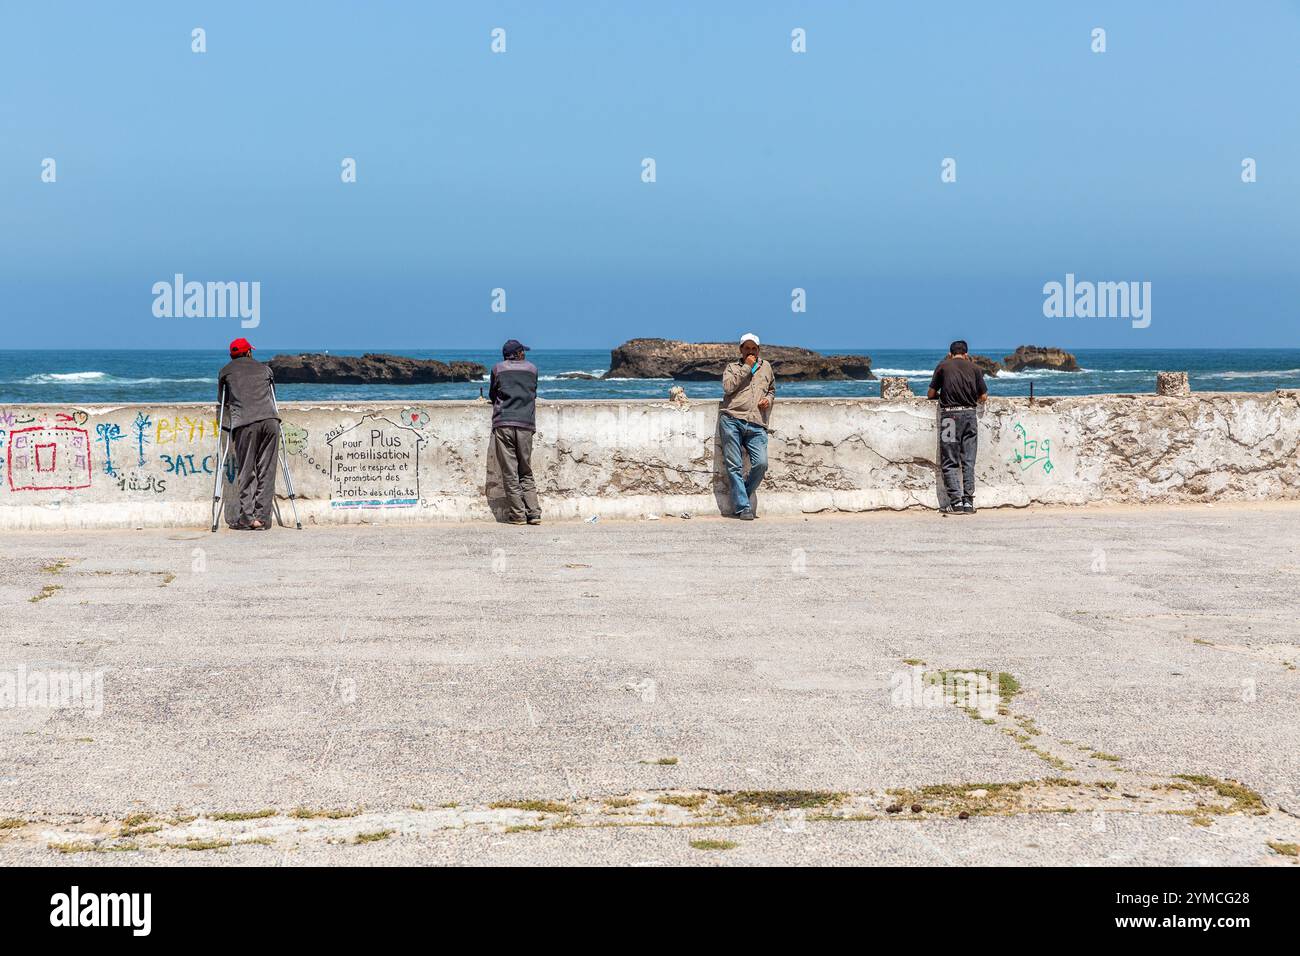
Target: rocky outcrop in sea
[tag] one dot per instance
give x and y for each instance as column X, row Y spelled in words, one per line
column 705, row 361
column 371, row 369
column 1038, row 356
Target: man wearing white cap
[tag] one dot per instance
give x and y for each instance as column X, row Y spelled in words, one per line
column 748, row 389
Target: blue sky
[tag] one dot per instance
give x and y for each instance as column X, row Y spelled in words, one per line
column 775, row 170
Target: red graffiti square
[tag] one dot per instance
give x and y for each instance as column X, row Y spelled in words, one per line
column 42, row 467
column 46, row 456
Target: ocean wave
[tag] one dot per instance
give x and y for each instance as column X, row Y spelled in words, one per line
column 96, row 378
column 1039, row 372
column 564, row 376
column 1263, row 373
column 1026, row 373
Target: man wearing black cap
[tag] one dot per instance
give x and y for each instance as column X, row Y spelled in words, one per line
column 254, row 423
column 514, row 419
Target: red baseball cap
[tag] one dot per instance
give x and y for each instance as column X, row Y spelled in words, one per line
column 240, row 347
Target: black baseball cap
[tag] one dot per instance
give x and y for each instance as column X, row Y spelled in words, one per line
column 511, row 347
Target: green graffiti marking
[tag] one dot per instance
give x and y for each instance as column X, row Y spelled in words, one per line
column 1032, row 452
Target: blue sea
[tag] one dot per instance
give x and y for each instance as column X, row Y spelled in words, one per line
column 158, row 376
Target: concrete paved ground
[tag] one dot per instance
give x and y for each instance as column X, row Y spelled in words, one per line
column 393, row 671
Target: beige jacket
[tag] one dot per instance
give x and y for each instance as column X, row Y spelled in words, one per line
column 741, row 392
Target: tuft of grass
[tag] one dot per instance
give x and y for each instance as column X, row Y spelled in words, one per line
column 782, row 799
column 78, row 846
column 201, row 845
column 842, row 818
column 1046, row 757
column 1007, row 684
column 242, row 815
column 56, row 566
column 537, row 806
column 913, row 662
column 1286, row 849
column 690, row 801
column 662, row 762
column 374, row 836
column 1244, row 799
column 620, row 802
column 304, row 813
column 525, row 828
column 46, row 592
column 1101, row 755
column 11, row 823
column 714, row 844
column 138, row 823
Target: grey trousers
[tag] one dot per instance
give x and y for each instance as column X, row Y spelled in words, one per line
column 958, row 431
column 513, row 449
column 256, row 445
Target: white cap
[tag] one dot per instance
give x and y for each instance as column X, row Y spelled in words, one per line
column 750, row 337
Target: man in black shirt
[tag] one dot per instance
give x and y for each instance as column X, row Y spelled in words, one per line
column 959, row 386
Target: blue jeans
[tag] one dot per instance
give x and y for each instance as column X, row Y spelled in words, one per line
column 736, row 433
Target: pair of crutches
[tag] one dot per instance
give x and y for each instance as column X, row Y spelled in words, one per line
column 224, row 438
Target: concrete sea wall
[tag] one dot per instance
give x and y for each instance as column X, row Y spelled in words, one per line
column 152, row 465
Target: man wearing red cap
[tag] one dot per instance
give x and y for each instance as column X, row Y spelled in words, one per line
column 254, row 423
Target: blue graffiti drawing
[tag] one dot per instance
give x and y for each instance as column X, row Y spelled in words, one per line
column 109, row 434
column 142, row 425
column 1033, row 452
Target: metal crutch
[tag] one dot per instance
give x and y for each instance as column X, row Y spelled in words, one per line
column 284, row 467
column 223, row 449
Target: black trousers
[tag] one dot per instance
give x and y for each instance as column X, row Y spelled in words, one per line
column 958, row 433
column 256, row 445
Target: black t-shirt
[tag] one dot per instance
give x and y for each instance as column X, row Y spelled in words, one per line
column 958, row 381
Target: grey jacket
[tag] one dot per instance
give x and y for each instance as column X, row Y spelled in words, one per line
column 514, row 395
column 250, row 388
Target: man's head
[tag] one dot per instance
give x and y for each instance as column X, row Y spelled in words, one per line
column 239, row 347
column 958, row 348
column 749, row 347
column 513, row 349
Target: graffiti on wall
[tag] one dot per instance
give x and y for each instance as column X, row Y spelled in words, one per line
column 48, row 458
column 375, row 463
column 186, row 429
column 141, row 424
column 1032, row 452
